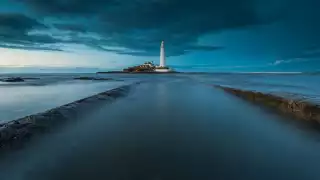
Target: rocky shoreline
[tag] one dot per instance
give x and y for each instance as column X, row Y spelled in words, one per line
column 17, row 131
column 16, row 79
column 297, row 108
column 143, row 72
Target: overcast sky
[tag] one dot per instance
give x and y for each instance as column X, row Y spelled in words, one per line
column 200, row 35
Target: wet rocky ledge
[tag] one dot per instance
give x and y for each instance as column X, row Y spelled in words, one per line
column 84, row 78
column 297, row 108
column 17, row 79
column 17, row 131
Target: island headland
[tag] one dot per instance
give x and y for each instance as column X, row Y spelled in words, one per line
column 149, row 67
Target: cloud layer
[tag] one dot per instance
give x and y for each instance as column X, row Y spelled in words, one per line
column 135, row 27
column 15, row 33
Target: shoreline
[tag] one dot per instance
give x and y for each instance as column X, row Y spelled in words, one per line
column 300, row 109
column 181, row 72
column 122, row 72
column 16, row 131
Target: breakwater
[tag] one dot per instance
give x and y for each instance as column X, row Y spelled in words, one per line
column 20, row 129
column 298, row 108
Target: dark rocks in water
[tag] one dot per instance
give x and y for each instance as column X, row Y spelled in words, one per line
column 93, row 78
column 6, row 133
column 13, row 79
column 298, row 108
column 17, row 79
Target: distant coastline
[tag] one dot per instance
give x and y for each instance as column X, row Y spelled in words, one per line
column 181, row 72
column 142, row 72
column 146, row 68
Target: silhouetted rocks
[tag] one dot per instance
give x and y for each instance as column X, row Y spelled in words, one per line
column 15, row 131
column 17, row 79
column 298, row 108
column 13, row 79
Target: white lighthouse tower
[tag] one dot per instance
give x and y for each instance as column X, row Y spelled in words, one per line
column 162, row 67
column 162, row 55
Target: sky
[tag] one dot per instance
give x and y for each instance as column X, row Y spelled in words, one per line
column 201, row 35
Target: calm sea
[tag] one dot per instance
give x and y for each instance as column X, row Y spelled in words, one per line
column 52, row 90
column 170, row 127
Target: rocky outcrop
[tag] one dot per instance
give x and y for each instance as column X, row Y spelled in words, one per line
column 17, row 79
column 298, row 108
column 18, row 130
column 13, row 79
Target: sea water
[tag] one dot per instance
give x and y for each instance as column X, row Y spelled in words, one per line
column 19, row 99
column 47, row 91
column 177, row 127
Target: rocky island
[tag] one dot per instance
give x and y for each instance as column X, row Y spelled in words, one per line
column 148, row 67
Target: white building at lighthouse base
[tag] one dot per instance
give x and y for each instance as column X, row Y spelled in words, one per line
column 163, row 70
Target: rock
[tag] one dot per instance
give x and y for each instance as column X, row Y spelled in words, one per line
column 297, row 108
column 18, row 125
column 23, row 133
column 6, row 133
column 13, row 79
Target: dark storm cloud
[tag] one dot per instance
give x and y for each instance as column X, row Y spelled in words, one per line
column 150, row 51
column 15, row 33
column 18, row 22
column 140, row 25
column 71, row 27
column 69, row 7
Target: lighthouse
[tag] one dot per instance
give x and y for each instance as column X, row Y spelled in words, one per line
column 162, row 55
column 163, row 68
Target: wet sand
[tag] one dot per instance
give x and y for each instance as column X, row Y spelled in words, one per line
column 171, row 129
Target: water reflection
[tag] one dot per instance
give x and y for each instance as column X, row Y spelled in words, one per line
column 161, row 96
